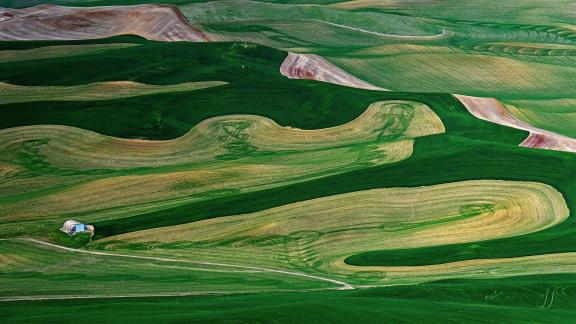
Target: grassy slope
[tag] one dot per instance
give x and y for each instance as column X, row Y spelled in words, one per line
column 521, row 51
column 457, row 121
column 528, row 11
column 508, row 51
column 251, row 69
column 472, row 149
column 557, row 115
column 305, row 104
column 542, row 299
column 151, row 62
column 466, row 159
column 34, row 270
column 324, row 106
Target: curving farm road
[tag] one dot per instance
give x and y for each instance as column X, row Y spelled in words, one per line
column 342, row 285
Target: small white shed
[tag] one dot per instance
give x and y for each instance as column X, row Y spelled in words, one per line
column 72, row 227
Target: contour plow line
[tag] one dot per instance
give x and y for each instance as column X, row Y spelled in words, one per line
column 383, row 123
column 10, row 93
column 492, row 110
column 385, row 35
column 219, row 156
column 47, row 52
column 308, row 235
column 342, row 284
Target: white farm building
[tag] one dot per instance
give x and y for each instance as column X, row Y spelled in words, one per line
column 72, row 227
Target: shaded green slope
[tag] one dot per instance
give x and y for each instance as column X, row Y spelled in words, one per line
column 257, row 88
column 437, row 159
column 24, row 45
column 299, row 104
column 296, row 103
column 471, row 149
column 543, row 299
column 151, row 62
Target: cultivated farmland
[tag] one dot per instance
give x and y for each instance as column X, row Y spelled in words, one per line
column 287, row 161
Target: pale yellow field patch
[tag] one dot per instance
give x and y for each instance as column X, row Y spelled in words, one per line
column 10, row 93
column 221, row 156
column 47, row 52
column 317, row 235
column 473, row 269
column 68, row 147
column 354, row 4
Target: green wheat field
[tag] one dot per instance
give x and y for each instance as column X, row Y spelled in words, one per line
column 288, row 161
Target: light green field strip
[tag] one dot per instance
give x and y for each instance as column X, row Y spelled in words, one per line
column 503, row 11
column 315, row 236
column 35, row 271
column 253, row 11
column 74, row 148
column 94, row 91
column 506, row 50
column 58, row 51
column 470, row 74
column 557, row 115
column 314, row 33
column 220, row 156
column 479, row 52
column 289, row 26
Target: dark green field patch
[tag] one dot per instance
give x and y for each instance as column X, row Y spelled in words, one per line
column 539, row 299
column 152, row 63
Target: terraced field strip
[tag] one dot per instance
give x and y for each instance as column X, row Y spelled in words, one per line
column 382, row 122
column 94, row 91
column 492, row 110
column 488, row 11
column 484, row 59
column 474, row 74
column 46, row 22
column 309, row 235
column 291, row 25
column 73, row 169
column 37, row 270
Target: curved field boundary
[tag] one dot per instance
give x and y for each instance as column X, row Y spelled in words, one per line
column 388, row 36
column 74, row 170
column 557, row 115
column 342, row 285
column 50, row 22
column 556, row 263
column 383, row 122
column 492, row 110
column 314, row 67
column 94, row 91
column 309, row 235
column 53, row 51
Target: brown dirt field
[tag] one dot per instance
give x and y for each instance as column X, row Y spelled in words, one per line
column 314, row 67
column 46, row 22
column 492, row 110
